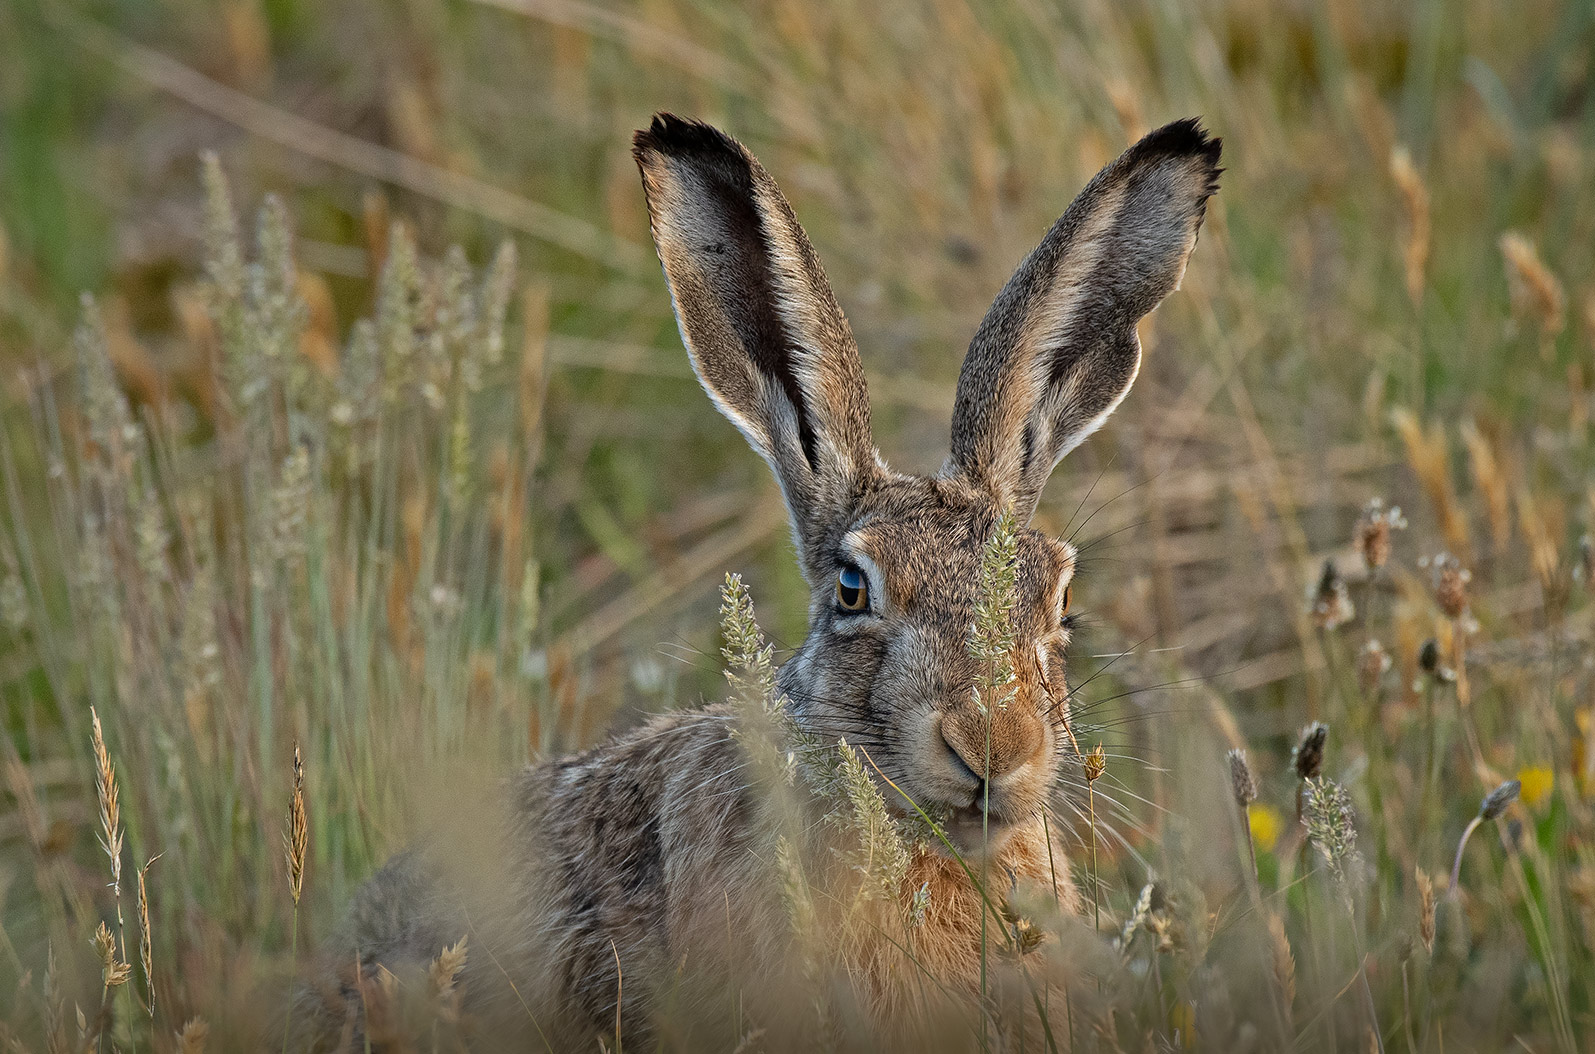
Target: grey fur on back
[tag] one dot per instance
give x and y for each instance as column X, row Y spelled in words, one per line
column 631, row 886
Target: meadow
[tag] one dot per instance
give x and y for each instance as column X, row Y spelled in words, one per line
column 349, row 459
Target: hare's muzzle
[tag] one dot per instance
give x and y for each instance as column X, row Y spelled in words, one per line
column 995, row 745
column 990, row 770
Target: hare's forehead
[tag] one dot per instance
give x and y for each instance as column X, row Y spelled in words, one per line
column 929, row 558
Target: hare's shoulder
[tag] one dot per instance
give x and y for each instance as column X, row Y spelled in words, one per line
column 632, row 851
column 678, row 782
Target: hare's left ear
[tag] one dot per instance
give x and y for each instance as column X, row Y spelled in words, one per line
column 766, row 337
column 1058, row 350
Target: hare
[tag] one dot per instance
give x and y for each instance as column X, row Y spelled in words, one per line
column 623, row 876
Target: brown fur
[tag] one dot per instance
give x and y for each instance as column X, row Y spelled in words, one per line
column 641, row 871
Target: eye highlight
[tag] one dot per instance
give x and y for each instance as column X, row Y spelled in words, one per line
column 852, row 590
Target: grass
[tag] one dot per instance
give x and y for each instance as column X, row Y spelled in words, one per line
column 433, row 545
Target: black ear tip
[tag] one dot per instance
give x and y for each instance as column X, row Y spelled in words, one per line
column 670, row 134
column 1185, row 137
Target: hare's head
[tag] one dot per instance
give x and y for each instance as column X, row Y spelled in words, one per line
column 893, row 561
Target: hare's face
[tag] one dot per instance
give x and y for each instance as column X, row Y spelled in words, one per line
column 887, row 664
column 893, row 560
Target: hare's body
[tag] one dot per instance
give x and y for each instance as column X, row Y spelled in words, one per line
column 620, row 865
column 637, row 886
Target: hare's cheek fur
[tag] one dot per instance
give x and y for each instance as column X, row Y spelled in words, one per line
column 898, row 683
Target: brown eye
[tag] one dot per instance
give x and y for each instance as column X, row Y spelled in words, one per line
column 1068, row 595
column 852, row 590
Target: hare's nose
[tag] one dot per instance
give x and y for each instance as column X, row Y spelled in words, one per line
column 1012, row 739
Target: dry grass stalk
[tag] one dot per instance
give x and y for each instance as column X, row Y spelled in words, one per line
column 146, row 951
column 750, row 1042
column 1096, row 764
column 1492, row 483
column 1537, row 294
column 1284, row 963
column 532, row 390
column 296, row 841
column 54, row 1009
column 113, row 970
column 1126, row 100
column 1541, row 537
column 1415, row 202
column 110, row 803
column 297, row 838
column 1428, row 455
column 443, row 975
column 113, row 953
column 191, row 1040
column 1425, row 909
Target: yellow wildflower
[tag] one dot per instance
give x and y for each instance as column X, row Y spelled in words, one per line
column 1266, row 825
column 1182, row 1021
column 1537, row 781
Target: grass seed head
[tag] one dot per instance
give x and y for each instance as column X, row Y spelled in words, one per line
column 1096, row 763
column 1330, row 604
column 191, row 1040
column 443, row 976
column 1331, row 824
column 296, row 841
column 749, row 659
column 224, row 254
column 991, row 632
column 1308, row 756
column 1373, row 662
column 110, row 804
column 113, row 971
column 1449, row 580
column 1425, row 909
column 1139, row 916
column 1284, row 963
column 1496, row 801
column 1429, row 662
column 146, row 949
column 1372, row 533
column 498, row 285
column 1243, row 786
column 1415, row 202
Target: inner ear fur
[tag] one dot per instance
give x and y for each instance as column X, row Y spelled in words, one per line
column 764, row 332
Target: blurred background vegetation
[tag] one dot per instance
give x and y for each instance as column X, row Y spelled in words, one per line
column 1394, row 296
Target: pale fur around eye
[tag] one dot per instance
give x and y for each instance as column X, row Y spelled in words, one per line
column 1065, row 602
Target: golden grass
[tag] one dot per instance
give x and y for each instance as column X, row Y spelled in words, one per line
column 225, row 553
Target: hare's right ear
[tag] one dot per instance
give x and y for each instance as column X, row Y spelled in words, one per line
column 765, row 335
column 1058, row 350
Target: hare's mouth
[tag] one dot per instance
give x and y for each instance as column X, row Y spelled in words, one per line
column 974, row 830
